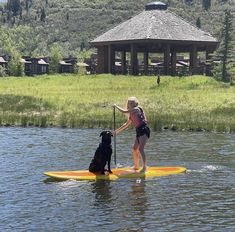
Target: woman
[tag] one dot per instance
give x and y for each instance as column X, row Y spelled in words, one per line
column 138, row 119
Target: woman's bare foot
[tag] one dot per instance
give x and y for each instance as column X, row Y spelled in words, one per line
column 143, row 169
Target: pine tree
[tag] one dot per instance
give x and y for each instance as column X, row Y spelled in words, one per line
column 27, row 6
column 206, row 4
column 198, row 22
column 189, row 2
column 43, row 15
column 14, row 6
column 225, row 50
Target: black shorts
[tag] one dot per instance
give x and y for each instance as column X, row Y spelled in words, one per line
column 143, row 130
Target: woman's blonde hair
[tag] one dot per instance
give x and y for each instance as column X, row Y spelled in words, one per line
column 133, row 99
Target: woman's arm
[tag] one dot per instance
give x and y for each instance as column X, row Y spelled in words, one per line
column 123, row 110
column 123, row 127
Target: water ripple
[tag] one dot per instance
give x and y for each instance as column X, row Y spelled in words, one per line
column 200, row 200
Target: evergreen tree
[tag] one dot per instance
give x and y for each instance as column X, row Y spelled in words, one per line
column 188, row 2
column 14, row 6
column 206, row 4
column 67, row 16
column 43, row 15
column 225, row 50
column 27, row 6
column 198, row 22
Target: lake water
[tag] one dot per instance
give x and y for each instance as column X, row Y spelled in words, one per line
column 203, row 199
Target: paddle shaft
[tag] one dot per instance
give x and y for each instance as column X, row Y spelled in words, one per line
column 114, row 138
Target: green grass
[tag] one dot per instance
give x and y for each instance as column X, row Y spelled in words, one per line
column 190, row 103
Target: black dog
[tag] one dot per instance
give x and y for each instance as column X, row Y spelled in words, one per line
column 103, row 154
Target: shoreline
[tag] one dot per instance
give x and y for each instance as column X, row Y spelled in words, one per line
column 195, row 103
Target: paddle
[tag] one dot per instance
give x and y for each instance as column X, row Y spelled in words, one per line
column 114, row 138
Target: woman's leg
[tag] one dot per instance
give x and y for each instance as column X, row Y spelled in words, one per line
column 142, row 142
column 136, row 154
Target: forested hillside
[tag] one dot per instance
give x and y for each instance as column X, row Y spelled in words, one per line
column 34, row 26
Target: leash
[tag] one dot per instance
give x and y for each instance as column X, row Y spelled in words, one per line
column 114, row 138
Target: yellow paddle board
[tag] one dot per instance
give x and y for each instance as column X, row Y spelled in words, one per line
column 126, row 172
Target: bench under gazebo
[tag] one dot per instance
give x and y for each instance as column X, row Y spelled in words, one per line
column 155, row 30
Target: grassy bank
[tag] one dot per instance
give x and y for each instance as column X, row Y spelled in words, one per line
column 191, row 103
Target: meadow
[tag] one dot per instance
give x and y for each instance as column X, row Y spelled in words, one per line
column 188, row 103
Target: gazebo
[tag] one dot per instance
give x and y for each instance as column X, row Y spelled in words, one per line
column 155, row 30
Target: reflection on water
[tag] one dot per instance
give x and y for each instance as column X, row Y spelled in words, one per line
column 200, row 200
column 102, row 191
column 138, row 202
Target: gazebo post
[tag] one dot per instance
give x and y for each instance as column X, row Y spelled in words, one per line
column 111, row 59
column 173, row 63
column 146, row 63
column 123, row 62
column 102, row 55
column 193, row 59
column 166, row 59
column 134, row 61
column 207, row 54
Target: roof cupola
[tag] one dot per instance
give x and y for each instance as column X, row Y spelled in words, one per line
column 156, row 6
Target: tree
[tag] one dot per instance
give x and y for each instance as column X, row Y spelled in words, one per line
column 206, row 4
column 189, row 2
column 15, row 66
column 225, row 51
column 2, row 71
column 198, row 22
column 43, row 15
column 14, row 6
column 27, row 6
column 55, row 58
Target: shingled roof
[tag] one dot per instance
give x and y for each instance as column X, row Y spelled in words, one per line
column 155, row 24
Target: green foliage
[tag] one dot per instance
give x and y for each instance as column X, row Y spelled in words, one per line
column 225, row 52
column 15, row 66
column 73, row 23
column 198, row 22
column 55, row 58
column 2, row 71
column 14, row 6
column 34, row 27
column 43, row 15
column 206, row 4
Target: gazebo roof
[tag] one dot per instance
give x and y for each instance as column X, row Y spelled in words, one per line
column 155, row 24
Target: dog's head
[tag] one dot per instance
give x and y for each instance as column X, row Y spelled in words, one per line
column 106, row 137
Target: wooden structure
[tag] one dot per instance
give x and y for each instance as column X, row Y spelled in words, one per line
column 155, row 30
column 3, row 62
column 67, row 65
column 37, row 66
